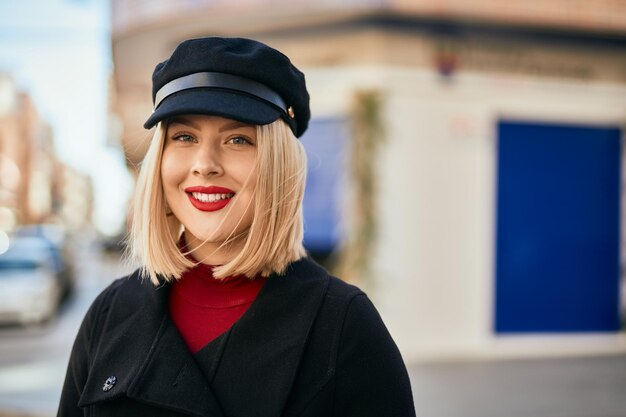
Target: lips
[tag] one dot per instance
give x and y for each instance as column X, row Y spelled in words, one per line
column 211, row 198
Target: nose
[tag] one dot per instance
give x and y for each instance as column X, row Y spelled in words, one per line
column 207, row 162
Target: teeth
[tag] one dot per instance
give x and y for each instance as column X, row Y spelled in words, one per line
column 211, row 198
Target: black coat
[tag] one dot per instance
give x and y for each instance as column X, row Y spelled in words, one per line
column 309, row 345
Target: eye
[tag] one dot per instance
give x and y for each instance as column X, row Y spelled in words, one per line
column 183, row 137
column 239, row 140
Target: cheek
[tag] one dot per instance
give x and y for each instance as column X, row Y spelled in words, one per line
column 244, row 170
column 171, row 174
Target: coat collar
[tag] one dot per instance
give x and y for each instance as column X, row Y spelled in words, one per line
column 141, row 347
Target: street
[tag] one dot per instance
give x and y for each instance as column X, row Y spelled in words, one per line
column 548, row 387
column 33, row 361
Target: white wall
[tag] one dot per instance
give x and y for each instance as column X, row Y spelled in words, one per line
column 434, row 259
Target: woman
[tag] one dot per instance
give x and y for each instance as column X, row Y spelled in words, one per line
column 227, row 316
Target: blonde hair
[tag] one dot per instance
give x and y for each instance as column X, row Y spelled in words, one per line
column 274, row 239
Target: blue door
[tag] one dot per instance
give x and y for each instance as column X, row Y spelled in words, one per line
column 558, row 228
column 326, row 142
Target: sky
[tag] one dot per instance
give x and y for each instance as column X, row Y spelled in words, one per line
column 59, row 52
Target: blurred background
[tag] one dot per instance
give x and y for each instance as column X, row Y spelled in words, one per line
column 465, row 169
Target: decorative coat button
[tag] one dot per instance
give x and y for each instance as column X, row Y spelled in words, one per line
column 109, row 383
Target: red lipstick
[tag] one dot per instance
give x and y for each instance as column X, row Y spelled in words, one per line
column 201, row 201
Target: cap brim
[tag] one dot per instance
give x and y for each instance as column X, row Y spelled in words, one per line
column 223, row 103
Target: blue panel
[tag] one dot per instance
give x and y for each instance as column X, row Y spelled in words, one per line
column 557, row 260
column 326, row 143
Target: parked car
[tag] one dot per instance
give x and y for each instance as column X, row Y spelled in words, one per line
column 58, row 244
column 30, row 291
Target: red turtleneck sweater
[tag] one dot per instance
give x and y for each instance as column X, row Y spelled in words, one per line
column 202, row 307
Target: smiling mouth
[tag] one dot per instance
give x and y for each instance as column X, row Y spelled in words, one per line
column 209, row 201
column 211, row 198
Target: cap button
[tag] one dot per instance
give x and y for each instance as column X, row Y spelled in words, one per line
column 109, row 383
column 290, row 112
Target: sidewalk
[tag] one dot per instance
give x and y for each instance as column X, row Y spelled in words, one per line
column 572, row 387
column 568, row 387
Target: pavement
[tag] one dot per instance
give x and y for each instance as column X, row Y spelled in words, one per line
column 552, row 387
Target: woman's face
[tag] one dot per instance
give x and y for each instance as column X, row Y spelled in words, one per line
column 208, row 174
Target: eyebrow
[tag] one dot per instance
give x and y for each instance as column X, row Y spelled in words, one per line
column 181, row 120
column 235, row 124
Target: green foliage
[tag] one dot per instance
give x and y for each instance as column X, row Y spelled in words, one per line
column 367, row 136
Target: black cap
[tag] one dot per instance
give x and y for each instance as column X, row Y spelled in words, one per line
column 236, row 78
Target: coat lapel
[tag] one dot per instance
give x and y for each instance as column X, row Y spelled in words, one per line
column 264, row 348
column 141, row 347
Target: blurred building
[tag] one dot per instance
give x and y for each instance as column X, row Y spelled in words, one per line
column 35, row 187
column 496, row 214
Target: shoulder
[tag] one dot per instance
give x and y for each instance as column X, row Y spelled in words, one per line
column 352, row 307
column 119, row 286
column 306, row 270
column 116, row 299
column 102, row 302
column 344, row 302
column 310, row 277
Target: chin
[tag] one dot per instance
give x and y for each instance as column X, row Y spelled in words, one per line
column 202, row 236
